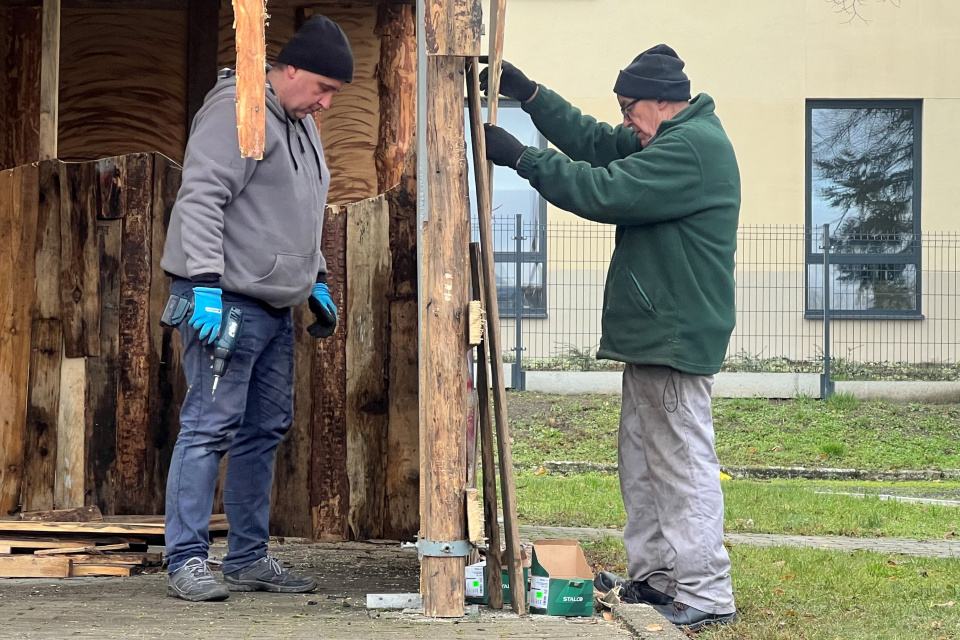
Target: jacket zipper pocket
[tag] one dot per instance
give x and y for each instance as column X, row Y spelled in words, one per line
column 643, row 294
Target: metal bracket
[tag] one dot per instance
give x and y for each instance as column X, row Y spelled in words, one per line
column 434, row 549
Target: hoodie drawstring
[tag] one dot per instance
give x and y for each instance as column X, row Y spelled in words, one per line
column 296, row 167
column 316, row 154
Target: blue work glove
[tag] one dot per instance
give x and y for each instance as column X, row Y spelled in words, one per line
column 207, row 312
column 325, row 311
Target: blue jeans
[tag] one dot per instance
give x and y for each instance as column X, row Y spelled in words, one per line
column 247, row 418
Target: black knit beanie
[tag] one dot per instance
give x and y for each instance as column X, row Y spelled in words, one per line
column 320, row 46
column 655, row 74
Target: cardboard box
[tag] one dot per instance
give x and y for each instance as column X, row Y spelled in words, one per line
column 476, row 574
column 561, row 582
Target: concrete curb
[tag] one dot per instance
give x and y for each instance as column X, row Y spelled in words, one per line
column 771, row 473
column 635, row 618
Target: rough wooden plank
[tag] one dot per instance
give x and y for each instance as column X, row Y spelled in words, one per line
column 118, row 571
column 494, row 349
column 80, row 288
column 40, row 445
column 28, row 566
column 290, row 515
column 27, row 541
column 19, row 210
column 20, row 46
column 487, row 446
column 329, row 482
column 49, row 78
column 69, row 486
column 102, row 376
column 110, row 193
column 89, row 513
column 249, row 16
column 134, row 460
column 279, row 28
column 83, row 528
column 397, row 87
column 474, row 516
column 402, row 517
column 443, row 312
column 167, row 381
column 366, row 319
column 90, row 549
column 453, row 27
column 4, row 550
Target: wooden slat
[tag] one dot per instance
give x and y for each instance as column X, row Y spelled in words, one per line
column 134, row 444
column 498, row 9
column 453, row 27
column 28, row 566
column 119, row 571
column 40, row 446
column 102, row 376
column 366, row 318
column 494, row 345
column 487, row 446
column 26, row 541
column 68, row 489
column 329, row 482
column 79, row 267
column 18, row 231
column 112, row 559
column 90, row 549
column 49, row 79
column 92, row 528
column 167, row 381
column 5, row 550
column 397, row 87
column 20, row 46
column 251, row 76
column 443, row 312
column 80, row 514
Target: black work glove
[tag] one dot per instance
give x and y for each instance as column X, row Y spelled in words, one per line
column 502, row 148
column 513, row 83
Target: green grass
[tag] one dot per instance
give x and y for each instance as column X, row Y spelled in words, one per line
column 839, row 432
column 788, row 507
column 809, row 594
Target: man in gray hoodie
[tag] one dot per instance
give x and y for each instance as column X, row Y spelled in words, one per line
column 246, row 233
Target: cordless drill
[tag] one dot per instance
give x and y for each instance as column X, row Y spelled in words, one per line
column 178, row 308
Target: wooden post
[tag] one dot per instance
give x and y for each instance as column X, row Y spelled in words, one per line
column 49, row 79
column 397, row 79
column 444, row 320
column 249, row 17
column 484, row 207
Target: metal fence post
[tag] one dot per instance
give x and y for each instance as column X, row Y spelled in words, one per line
column 826, row 385
column 519, row 380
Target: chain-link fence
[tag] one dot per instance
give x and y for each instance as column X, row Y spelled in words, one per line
column 892, row 311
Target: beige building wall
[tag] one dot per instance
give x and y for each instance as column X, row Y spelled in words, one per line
column 761, row 61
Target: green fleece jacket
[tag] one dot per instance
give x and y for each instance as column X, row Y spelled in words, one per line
column 669, row 295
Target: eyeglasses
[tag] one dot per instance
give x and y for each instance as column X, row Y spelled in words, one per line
column 626, row 107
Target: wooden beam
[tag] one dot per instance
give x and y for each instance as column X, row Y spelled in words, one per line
column 453, row 27
column 106, row 5
column 79, row 514
column 49, row 79
column 202, row 36
column 492, row 338
column 79, row 264
column 443, row 312
column 249, row 17
column 397, row 79
column 366, row 317
column 123, row 527
column 19, row 190
column 28, row 566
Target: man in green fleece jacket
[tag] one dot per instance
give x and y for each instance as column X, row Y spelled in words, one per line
column 668, row 178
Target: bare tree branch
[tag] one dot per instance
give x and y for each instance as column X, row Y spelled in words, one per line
column 853, row 8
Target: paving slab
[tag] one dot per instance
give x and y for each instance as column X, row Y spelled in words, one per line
column 136, row 607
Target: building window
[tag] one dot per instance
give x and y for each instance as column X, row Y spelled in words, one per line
column 863, row 179
column 513, row 195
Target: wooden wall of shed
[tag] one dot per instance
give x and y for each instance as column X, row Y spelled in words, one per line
column 19, row 86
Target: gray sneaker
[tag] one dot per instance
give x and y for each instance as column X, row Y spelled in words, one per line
column 266, row 574
column 194, row 582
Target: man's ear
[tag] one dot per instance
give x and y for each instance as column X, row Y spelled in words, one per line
column 291, row 71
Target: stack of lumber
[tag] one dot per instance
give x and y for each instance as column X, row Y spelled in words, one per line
column 79, row 542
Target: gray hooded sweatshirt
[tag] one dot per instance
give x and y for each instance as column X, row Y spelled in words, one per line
column 255, row 223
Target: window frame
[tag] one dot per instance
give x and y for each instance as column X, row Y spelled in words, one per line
column 815, row 258
column 509, row 258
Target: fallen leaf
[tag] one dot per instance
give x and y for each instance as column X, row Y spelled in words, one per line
column 894, row 577
column 936, row 624
column 778, row 592
column 945, row 604
column 791, row 613
column 789, row 576
column 779, row 563
column 752, row 450
column 654, row 627
column 607, row 616
column 541, row 471
column 892, row 563
column 950, row 534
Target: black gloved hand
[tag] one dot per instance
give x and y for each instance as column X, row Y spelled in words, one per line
column 513, row 84
column 502, row 148
column 325, row 311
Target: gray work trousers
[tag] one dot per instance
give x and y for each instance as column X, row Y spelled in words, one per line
column 670, row 481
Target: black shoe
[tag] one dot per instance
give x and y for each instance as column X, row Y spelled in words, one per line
column 631, row 591
column 687, row 617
